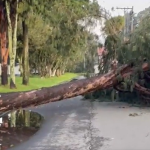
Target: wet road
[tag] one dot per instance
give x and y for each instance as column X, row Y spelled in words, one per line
column 67, row 126
column 75, row 124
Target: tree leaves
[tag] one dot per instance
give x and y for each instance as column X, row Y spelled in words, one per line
column 114, row 25
column 54, row 30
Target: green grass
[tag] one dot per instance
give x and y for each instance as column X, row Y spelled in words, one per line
column 37, row 82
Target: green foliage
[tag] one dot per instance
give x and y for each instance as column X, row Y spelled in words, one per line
column 138, row 45
column 134, row 49
column 114, row 25
column 56, row 37
column 119, row 78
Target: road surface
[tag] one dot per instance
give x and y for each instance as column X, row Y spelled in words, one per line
column 76, row 124
column 67, row 126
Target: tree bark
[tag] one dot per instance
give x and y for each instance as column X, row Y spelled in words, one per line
column 53, row 72
column 12, row 60
column 12, row 101
column 12, row 19
column 25, row 78
column 4, row 49
column 4, row 75
column 20, row 65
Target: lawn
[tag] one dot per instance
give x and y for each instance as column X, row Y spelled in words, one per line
column 37, row 82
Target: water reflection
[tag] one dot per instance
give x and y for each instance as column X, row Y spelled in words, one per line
column 17, row 127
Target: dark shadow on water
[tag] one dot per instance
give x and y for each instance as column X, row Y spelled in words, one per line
column 17, row 127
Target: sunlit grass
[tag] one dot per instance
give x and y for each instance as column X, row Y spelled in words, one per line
column 37, row 82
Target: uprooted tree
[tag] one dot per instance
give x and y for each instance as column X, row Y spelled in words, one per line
column 132, row 75
column 12, row 101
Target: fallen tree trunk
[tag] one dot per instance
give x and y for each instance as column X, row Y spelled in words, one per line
column 11, row 101
column 142, row 90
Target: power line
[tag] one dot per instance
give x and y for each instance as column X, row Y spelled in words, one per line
column 127, row 22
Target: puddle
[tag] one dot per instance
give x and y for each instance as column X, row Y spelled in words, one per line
column 17, row 127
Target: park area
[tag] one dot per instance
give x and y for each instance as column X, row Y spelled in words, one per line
column 36, row 82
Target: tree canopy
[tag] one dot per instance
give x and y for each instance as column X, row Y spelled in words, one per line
column 51, row 35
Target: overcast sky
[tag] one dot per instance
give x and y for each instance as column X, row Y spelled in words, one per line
column 138, row 5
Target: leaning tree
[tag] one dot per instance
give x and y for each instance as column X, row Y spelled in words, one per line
column 132, row 74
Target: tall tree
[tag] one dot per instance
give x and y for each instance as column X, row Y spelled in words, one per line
column 25, row 79
column 4, row 48
column 24, row 10
column 12, row 18
column 113, row 28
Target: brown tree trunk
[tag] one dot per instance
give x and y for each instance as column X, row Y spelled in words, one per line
column 58, row 73
column 53, row 72
column 4, row 75
column 25, row 77
column 4, row 49
column 4, row 59
column 56, row 93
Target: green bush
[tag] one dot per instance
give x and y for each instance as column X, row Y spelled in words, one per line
column 113, row 95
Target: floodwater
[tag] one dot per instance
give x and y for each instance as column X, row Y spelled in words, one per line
column 17, row 127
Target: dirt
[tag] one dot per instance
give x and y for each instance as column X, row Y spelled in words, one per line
column 10, row 137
